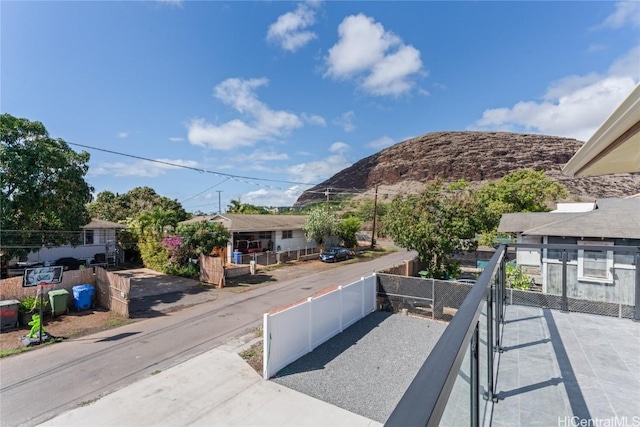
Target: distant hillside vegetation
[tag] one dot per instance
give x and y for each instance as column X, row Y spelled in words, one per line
column 475, row 157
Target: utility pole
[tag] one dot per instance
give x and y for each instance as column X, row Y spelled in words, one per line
column 219, row 206
column 375, row 213
column 326, row 193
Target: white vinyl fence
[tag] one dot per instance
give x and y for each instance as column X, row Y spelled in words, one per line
column 291, row 333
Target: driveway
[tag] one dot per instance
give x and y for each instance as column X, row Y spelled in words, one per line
column 154, row 294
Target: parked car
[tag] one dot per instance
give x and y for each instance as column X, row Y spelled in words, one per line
column 335, row 254
column 248, row 246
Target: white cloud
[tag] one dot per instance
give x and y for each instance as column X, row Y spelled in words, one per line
column 176, row 139
column 140, row 168
column 346, row 121
column 272, row 197
column 319, row 170
column 377, row 59
column 339, row 147
column 626, row 13
column 574, row 106
column 314, row 119
column 289, row 30
column 123, row 134
column 382, row 142
column 263, row 124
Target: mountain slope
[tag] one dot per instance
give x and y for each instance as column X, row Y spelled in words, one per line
column 473, row 156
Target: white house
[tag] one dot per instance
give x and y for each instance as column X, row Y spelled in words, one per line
column 97, row 237
column 275, row 232
column 598, row 275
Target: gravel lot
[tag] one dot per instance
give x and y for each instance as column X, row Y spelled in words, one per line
column 368, row 367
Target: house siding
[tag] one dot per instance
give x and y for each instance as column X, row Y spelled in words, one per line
column 621, row 291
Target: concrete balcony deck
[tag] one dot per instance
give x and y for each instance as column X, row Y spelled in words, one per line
column 564, row 369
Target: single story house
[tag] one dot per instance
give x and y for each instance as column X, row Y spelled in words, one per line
column 594, row 275
column 275, row 232
column 97, row 242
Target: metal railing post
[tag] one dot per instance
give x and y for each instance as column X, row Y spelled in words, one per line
column 565, row 301
column 490, row 343
column 636, row 311
column 475, row 379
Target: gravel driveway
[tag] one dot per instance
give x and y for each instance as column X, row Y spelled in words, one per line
column 367, row 368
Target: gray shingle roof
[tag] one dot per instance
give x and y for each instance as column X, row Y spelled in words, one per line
column 613, row 218
column 239, row 222
column 102, row 224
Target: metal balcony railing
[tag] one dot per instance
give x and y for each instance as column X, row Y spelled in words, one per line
column 456, row 384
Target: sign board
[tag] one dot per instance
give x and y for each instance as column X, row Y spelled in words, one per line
column 35, row 276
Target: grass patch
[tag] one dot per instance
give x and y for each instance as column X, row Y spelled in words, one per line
column 253, row 356
column 12, row 351
column 88, row 402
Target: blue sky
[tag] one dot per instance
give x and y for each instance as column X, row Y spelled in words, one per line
column 295, row 92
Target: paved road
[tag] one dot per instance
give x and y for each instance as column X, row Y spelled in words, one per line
column 41, row 384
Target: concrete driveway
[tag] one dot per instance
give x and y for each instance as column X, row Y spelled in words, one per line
column 153, row 294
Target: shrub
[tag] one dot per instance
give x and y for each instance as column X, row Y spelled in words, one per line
column 31, row 305
column 516, row 278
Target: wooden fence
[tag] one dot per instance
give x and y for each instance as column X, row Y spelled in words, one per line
column 212, row 270
column 11, row 288
column 112, row 291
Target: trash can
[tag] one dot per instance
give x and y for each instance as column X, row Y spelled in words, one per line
column 424, row 274
column 237, row 257
column 83, row 296
column 8, row 314
column 58, row 300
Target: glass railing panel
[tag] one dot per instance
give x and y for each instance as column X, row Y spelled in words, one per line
column 457, row 412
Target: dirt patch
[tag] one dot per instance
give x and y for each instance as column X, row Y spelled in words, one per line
column 66, row 326
column 253, row 356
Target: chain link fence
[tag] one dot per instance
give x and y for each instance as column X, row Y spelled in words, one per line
column 440, row 299
column 430, row 298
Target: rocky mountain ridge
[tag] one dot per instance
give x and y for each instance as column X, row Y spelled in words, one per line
column 474, row 156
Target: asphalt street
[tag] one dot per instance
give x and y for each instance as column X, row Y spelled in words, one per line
column 38, row 385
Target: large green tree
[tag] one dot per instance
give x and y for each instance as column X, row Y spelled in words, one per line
column 237, row 207
column 347, row 230
column 120, row 207
column 320, row 225
column 44, row 192
column 436, row 223
column 524, row 190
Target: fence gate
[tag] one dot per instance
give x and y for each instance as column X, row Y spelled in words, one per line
column 211, row 269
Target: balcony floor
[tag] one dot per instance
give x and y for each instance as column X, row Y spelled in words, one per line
column 559, row 368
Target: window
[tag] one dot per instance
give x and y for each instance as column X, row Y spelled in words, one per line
column 264, row 235
column 595, row 266
column 88, row 237
column 287, row 234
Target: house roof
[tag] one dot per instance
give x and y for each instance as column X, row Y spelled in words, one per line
column 518, row 222
column 101, row 224
column 612, row 218
column 615, row 146
column 240, row 222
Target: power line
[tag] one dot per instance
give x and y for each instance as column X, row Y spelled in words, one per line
column 239, row 178
column 204, row 191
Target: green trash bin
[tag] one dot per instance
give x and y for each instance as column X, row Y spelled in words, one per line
column 424, row 274
column 58, row 300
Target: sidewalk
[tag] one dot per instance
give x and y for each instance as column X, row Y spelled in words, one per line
column 216, row 388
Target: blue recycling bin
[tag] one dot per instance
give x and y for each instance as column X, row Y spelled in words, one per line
column 237, row 257
column 83, row 296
